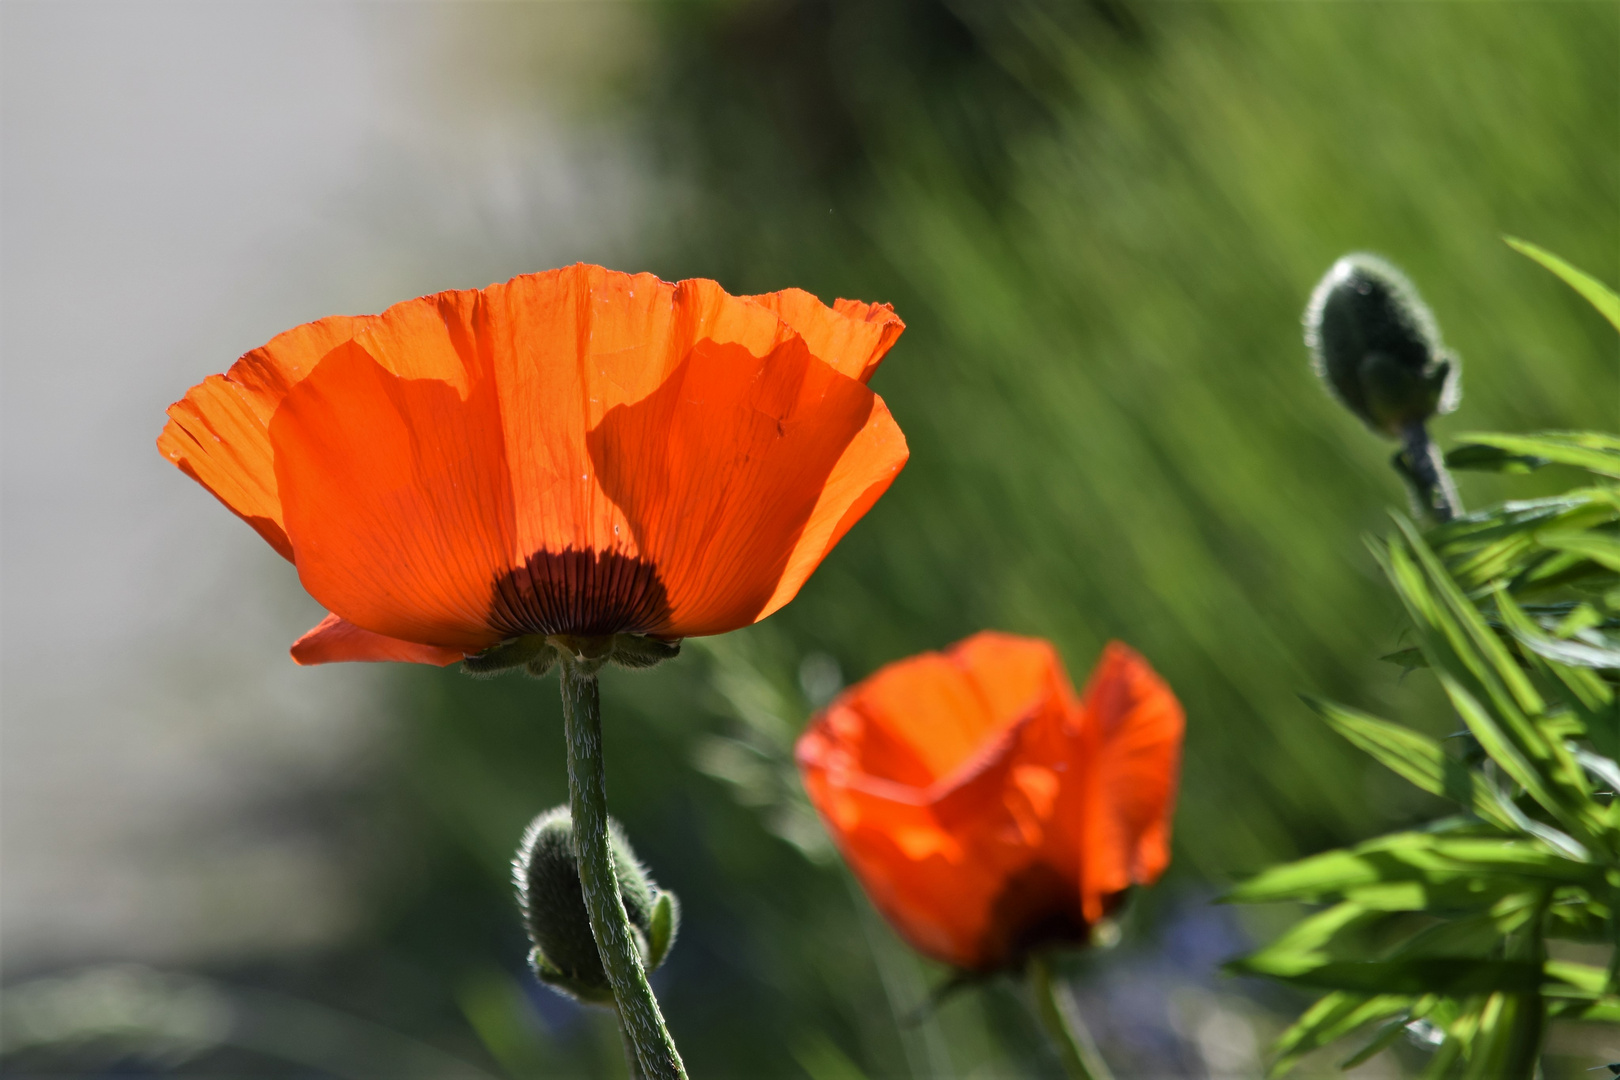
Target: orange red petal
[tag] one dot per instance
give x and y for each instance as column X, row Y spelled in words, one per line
column 573, row 451
column 982, row 805
column 1133, row 727
column 854, row 335
column 734, row 476
column 335, row 639
column 396, row 498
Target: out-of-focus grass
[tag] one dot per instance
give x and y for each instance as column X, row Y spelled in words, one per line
column 1101, row 226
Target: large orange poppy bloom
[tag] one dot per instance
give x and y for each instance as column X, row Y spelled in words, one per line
column 574, row 452
column 986, row 809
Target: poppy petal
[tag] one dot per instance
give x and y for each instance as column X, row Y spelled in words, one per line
column 942, row 779
column 1132, row 727
column 336, row 639
column 396, row 498
column 851, row 336
column 219, row 433
column 869, row 464
column 613, row 341
column 739, row 473
column 718, row 410
column 1011, row 673
column 504, row 388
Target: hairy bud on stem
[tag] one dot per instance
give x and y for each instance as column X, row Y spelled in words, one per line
column 546, row 873
column 1377, row 347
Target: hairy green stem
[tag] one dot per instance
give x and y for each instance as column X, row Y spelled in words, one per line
column 1424, row 468
column 631, row 1058
column 642, row 1023
column 1061, row 1018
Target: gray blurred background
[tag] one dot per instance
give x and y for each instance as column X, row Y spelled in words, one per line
column 182, row 181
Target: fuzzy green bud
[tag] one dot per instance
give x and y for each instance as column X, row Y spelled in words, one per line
column 546, row 873
column 1377, row 346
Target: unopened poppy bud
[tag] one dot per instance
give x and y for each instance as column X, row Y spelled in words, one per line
column 546, row 873
column 1377, row 347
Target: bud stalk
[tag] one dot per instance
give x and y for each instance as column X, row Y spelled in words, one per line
column 640, row 1018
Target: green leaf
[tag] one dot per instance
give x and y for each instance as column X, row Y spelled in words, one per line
column 661, row 931
column 1413, row 756
column 1334, row 1016
column 1581, row 449
column 1582, row 978
column 1430, row 975
column 1605, row 769
column 1444, row 1061
column 1439, row 872
column 1481, row 458
column 1596, row 293
column 1487, row 687
column 1605, row 1011
column 1380, row 1042
column 1590, row 699
column 1563, row 762
column 1306, row 944
column 1573, row 653
column 1509, row 1039
column 1601, row 548
column 1499, row 543
column 1477, row 935
column 1410, row 659
column 1470, row 636
column 1580, row 618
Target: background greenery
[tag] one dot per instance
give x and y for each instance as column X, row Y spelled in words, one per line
column 1100, row 223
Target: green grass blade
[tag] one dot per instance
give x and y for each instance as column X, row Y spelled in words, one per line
column 1596, row 293
column 1333, row 1017
column 1581, row 450
column 1450, row 976
column 1415, row 757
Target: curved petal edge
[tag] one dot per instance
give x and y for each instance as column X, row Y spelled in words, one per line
column 335, row 639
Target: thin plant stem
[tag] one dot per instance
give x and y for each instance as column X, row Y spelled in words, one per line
column 631, row 1059
column 1061, row 1018
column 1424, row 468
column 642, row 1023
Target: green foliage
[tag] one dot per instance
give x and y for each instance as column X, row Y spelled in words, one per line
column 1598, row 294
column 1444, row 931
column 1099, row 222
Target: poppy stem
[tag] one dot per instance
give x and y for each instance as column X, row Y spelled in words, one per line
column 639, row 1018
column 631, row 1058
column 1061, row 1018
column 1423, row 467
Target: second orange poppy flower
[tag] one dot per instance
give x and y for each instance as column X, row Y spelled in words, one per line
column 987, row 810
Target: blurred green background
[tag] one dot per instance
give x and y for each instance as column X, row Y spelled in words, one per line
column 1100, row 222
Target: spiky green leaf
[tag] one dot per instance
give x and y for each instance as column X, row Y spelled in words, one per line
column 1596, row 293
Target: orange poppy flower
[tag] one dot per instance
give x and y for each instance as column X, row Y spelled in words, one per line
column 573, row 452
column 987, row 810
